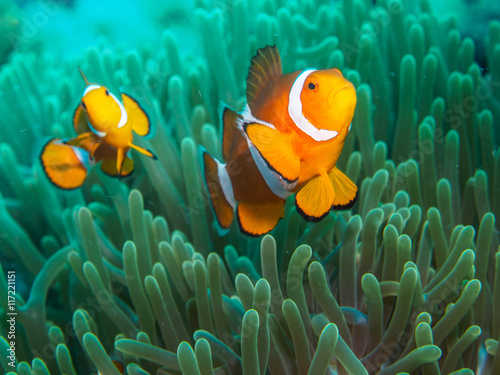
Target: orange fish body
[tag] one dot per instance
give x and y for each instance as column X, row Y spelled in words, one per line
column 314, row 156
column 291, row 133
column 105, row 127
column 239, row 184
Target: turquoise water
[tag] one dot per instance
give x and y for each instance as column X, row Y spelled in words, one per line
column 69, row 27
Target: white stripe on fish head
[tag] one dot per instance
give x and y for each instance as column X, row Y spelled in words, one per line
column 123, row 112
column 295, row 111
column 90, row 88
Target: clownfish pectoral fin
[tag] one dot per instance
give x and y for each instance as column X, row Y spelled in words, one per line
column 143, row 151
column 231, row 135
column 257, row 219
column 139, row 119
column 264, row 69
column 64, row 164
column 224, row 211
column 276, row 149
column 109, row 166
column 315, row 199
column 345, row 191
column 80, row 123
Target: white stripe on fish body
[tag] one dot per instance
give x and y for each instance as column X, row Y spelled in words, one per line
column 249, row 117
column 226, row 184
column 82, row 156
column 95, row 131
column 295, row 111
column 124, row 117
column 274, row 181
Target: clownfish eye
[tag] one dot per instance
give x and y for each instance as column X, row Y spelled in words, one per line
column 312, row 87
column 107, row 92
column 84, row 106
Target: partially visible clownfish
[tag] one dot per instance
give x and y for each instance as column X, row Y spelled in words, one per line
column 287, row 140
column 119, row 366
column 104, row 125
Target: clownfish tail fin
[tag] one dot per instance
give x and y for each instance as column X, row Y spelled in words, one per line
column 220, row 190
column 345, row 191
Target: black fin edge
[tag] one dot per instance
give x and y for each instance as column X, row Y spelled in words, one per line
column 44, row 167
column 347, row 206
column 143, row 111
column 246, row 233
column 245, row 125
column 311, row 219
column 315, row 219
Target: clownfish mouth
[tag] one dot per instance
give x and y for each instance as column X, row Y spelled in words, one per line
column 336, row 95
column 335, row 99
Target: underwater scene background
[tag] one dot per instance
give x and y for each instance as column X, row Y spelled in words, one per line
column 132, row 272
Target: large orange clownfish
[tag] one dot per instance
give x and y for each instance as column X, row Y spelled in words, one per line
column 287, row 140
column 104, row 125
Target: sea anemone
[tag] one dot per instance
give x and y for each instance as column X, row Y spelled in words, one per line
column 134, row 270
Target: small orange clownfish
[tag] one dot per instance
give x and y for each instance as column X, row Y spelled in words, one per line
column 287, row 140
column 104, row 125
column 119, row 366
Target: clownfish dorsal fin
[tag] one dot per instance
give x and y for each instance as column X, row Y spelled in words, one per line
column 83, row 76
column 264, row 69
column 231, row 135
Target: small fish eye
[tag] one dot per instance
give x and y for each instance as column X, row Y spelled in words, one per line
column 311, row 86
column 84, row 105
column 107, row 92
